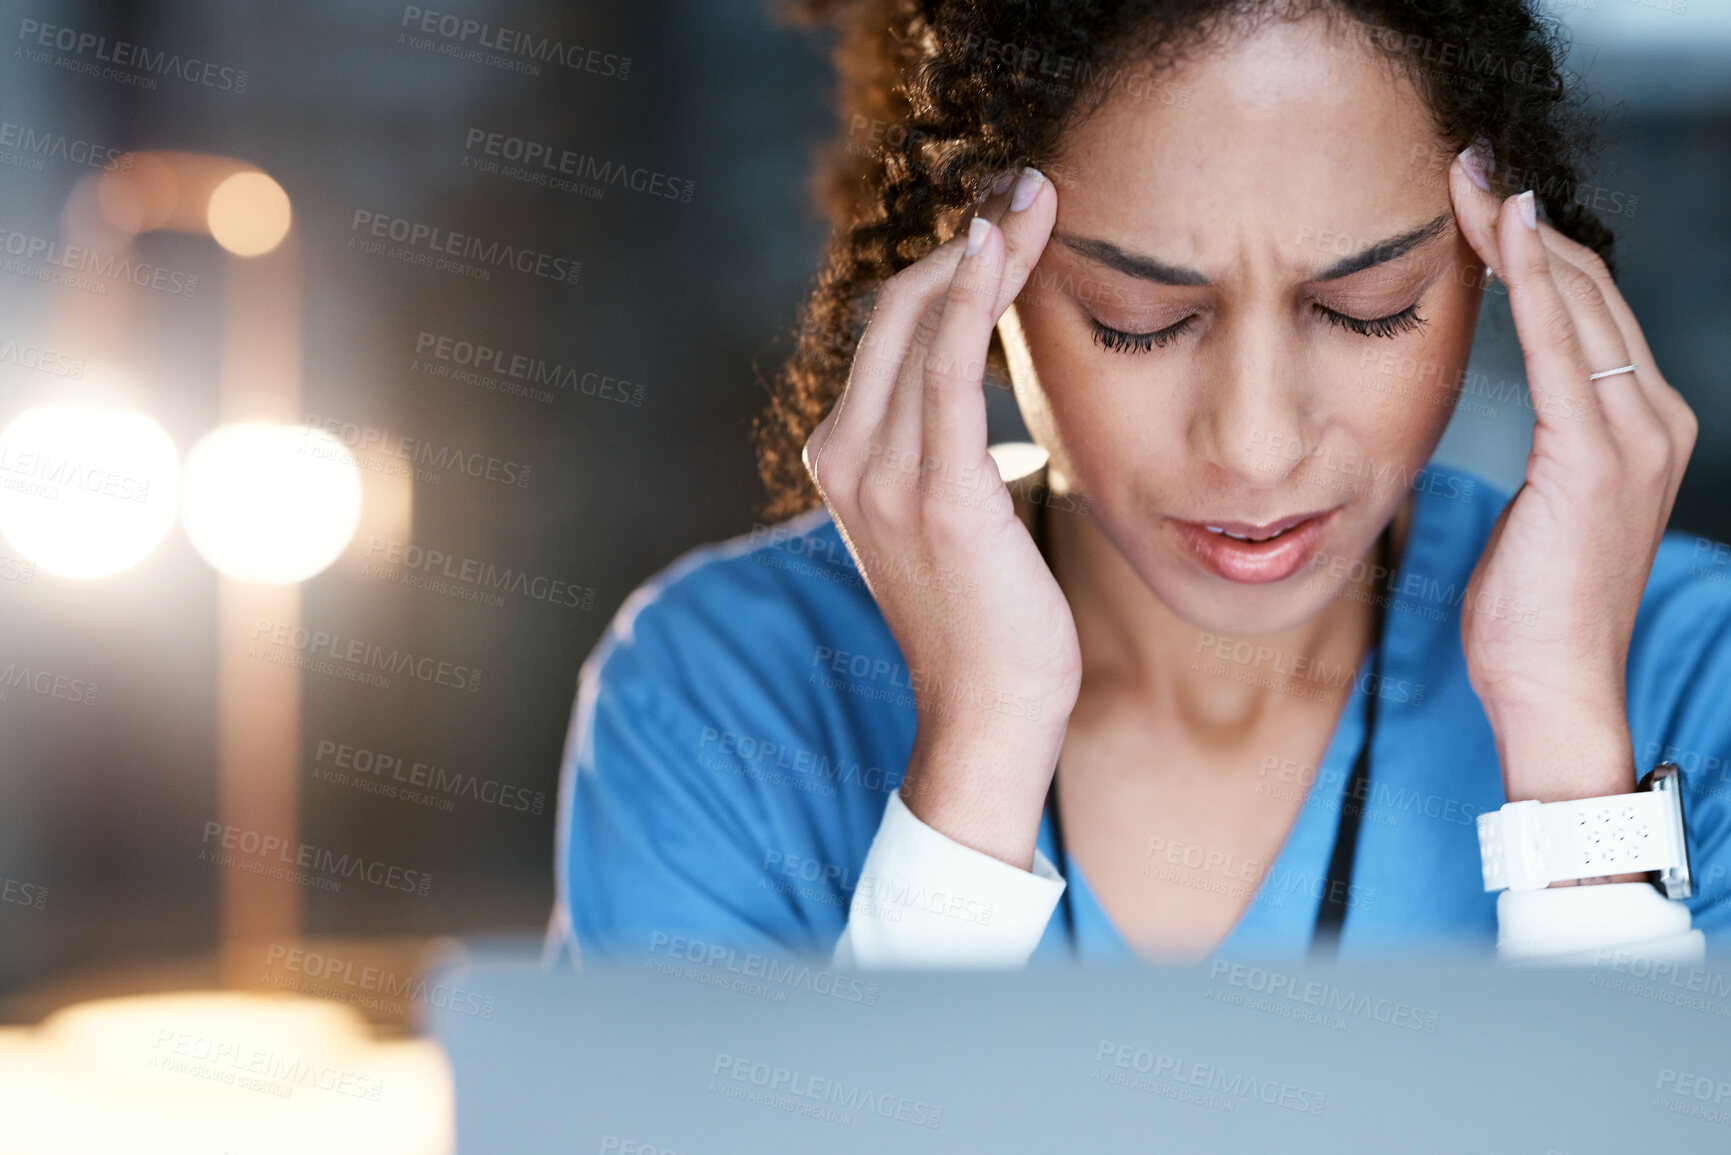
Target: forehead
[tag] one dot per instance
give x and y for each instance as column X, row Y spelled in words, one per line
column 1296, row 128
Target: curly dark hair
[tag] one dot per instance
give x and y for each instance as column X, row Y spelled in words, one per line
column 937, row 97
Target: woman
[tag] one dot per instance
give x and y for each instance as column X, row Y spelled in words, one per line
column 1235, row 673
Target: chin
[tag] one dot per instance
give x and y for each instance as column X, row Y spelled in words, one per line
column 1248, row 611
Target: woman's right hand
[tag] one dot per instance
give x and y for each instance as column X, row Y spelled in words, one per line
column 901, row 462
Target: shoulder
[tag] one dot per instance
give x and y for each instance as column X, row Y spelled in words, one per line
column 726, row 620
column 1680, row 653
column 712, row 748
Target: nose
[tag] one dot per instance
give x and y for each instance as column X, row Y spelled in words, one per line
column 1250, row 417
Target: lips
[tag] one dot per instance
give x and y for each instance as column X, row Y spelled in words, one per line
column 1255, row 553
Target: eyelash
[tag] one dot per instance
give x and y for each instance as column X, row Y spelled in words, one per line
column 1118, row 341
column 1393, row 325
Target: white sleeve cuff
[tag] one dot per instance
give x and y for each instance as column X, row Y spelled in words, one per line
column 1576, row 925
column 925, row 900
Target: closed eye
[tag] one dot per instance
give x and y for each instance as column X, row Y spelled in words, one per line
column 1118, row 341
column 1392, row 325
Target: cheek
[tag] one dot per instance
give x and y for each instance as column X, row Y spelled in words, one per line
column 1404, row 392
column 1065, row 391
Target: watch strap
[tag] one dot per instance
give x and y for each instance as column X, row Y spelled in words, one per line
column 1529, row 845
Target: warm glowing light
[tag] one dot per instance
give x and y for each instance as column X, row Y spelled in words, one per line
column 224, row 1071
column 271, row 503
column 85, row 493
column 1016, row 458
column 249, row 214
column 142, row 197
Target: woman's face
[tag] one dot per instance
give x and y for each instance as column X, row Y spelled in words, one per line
column 1253, row 309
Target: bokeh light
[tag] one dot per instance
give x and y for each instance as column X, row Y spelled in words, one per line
column 249, row 214
column 1016, row 458
column 271, row 503
column 86, row 492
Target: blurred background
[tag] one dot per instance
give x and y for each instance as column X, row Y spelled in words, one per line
column 529, row 299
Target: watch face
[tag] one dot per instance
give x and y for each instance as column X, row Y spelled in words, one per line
column 1667, row 779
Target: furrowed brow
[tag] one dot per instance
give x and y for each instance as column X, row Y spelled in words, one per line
column 1384, row 251
column 1130, row 264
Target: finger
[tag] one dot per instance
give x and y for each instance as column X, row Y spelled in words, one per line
column 1550, row 345
column 1025, row 212
column 902, row 304
column 1621, row 397
column 1475, row 206
column 1666, row 401
column 929, row 283
column 954, row 410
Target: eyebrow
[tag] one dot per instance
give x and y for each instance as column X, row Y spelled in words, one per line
column 1148, row 269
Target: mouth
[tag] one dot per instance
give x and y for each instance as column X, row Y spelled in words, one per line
column 1255, row 553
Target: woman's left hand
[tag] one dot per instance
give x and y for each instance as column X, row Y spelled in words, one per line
column 1551, row 605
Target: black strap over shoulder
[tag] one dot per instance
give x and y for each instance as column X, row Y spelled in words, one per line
column 1032, row 498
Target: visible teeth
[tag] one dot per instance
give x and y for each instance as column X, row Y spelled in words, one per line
column 1237, row 536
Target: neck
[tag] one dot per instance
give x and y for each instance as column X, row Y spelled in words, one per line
column 1135, row 649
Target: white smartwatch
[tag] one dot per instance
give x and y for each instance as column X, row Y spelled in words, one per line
column 1529, row 845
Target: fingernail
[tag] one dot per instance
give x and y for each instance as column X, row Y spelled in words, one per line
column 1474, row 163
column 1003, row 181
column 1027, row 188
column 977, row 230
column 1529, row 211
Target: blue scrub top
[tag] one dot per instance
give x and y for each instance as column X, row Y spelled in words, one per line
column 739, row 728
